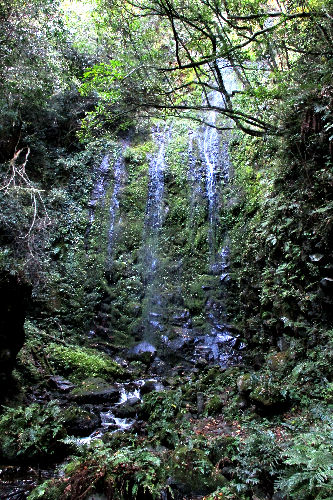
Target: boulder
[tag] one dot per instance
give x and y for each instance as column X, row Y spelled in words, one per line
column 60, row 384
column 179, row 348
column 158, row 367
column 150, row 386
column 267, row 397
column 326, row 285
column 143, row 352
column 95, row 390
column 245, row 383
column 180, row 317
column 278, row 362
column 80, row 422
column 201, row 362
column 128, row 409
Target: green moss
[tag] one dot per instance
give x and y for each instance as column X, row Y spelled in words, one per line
column 91, row 385
column 245, row 383
column 79, row 362
column 214, row 406
column 278, row 361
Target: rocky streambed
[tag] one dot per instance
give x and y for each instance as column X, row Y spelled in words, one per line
column 91, row 410
column 124, row 414
column 94, row 409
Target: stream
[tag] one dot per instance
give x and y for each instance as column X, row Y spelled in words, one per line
column 17, row 481
column 130, row 396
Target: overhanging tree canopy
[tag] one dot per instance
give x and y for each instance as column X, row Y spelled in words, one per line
column 170, row 54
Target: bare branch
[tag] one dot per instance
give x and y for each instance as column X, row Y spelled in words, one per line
column 19, row 181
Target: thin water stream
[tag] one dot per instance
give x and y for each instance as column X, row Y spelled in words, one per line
column 210, row 150
column 217, row 344
column 130, row 394
column 101, row 185
column 119, row 173
column 151, row 237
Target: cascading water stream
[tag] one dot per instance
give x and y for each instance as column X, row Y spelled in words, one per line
column 157, row 167
column 217, row 343
column 100, row 187
column 210, row 150
column 99, row 196
column 195, row 176
column 152, row 229
column 119, row 173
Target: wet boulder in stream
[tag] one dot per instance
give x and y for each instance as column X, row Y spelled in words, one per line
column 180, row 317
column 95, row 390
column 80, row 422
column 143, row 352
column 60, row 383
column 128, row 409
column 150, row 385
column 179, row 347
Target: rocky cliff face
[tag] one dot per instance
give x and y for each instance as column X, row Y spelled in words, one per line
column 167, row 253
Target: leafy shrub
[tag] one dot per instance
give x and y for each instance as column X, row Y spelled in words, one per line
column 165, row 416
column 31, row 432
column 226, row 492
column 128, row 473
column 222, row 448
column 309, row 474
column 162, row 405
column 258, row 460
column 192, row 467
column 79, row 362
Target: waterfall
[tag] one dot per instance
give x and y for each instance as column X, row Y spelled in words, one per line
column 119, row 173
column 217, row 344
column 210, row 151
column 154, row 210
column 99, row 194
column 102, row 177
column 152, row 229
column 195, row 176
column 100, row 187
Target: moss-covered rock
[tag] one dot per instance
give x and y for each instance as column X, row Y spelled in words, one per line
column 278, row 361
column 80, row 422
column 79, row 362
column 245, row 383
column 268, row 394
column 214, row 406
column 95, row 390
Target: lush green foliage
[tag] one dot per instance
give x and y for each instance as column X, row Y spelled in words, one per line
column 79, row 362
column 265, row 46
column 31, row 432
column 263, row 426
column 309, row 471
column 128, row 472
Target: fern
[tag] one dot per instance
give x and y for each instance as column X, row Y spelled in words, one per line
column 310, row 461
